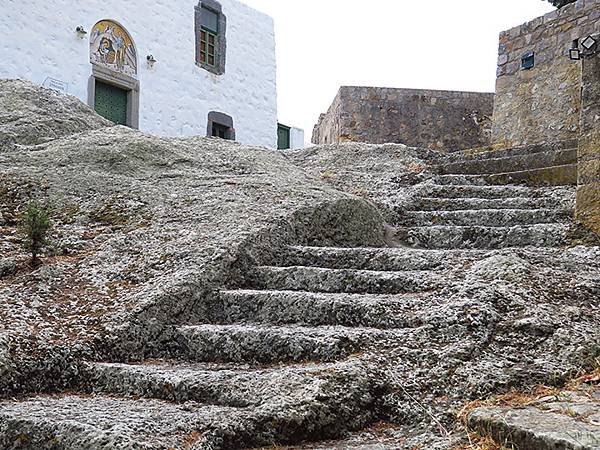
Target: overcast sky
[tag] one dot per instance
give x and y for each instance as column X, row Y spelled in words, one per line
column 426, row 44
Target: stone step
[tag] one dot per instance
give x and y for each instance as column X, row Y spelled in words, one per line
column 515, row 163
column 484, row 217
column 155, row 406
column 457, row 204
column 70, row 421
column 375, row 259
column 317, row 279
column 490, row 153
column 261, row 344
column 439, row 237
column 462, row 180
column 565, row 175
column 318, row 309
column 233, row 385
column 494, row 192
column 280, row 403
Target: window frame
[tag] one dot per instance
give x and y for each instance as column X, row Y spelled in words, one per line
column 222, row 120
column 220, row 45
column 528, row 60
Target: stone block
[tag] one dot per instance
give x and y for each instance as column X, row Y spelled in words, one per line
column 589, row 171
column 588, row 206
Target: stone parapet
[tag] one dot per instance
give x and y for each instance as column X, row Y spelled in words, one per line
column 421, row 118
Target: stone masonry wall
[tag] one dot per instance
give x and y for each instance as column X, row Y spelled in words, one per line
column 419, row 118
column 543, row 103
column 588, row 155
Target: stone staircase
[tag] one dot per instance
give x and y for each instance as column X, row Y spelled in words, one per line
column 475, row 203
column 277, row 359
column 274, row 361
column 548, row 163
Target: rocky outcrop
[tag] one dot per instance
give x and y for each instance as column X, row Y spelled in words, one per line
column 202, row 294
column 30, row 115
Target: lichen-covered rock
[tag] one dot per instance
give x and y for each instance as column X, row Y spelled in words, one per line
column 8, row 266
column 569, row 420
column 144, row 227
column 30, row 115
column 384, row 174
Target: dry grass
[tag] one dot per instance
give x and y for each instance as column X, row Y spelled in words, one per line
column 416, row 168
column 592, row 377
column 327, row 175
column 477, row 442
column 511, row 399
column 514, row 399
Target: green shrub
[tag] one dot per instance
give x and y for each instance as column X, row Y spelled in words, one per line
column 35, row 226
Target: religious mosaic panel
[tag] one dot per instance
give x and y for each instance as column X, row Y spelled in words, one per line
column 112, row 47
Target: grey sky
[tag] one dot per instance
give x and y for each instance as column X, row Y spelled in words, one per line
column 435, row 44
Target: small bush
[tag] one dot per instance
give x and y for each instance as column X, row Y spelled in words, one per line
column 35, row 226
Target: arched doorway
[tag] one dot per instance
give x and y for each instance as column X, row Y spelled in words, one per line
column 113, row 89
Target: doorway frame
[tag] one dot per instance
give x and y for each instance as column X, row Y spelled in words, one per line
column 122, row 81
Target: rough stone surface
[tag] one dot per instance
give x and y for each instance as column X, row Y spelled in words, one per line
column 420, row 118
column 568, row 420
column 30, row 115
column 202, row 294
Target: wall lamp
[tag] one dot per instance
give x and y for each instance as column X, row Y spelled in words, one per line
column 590, row 49
column 574, row 54
column 589, row 43
column 81, row 33
column 151, row 61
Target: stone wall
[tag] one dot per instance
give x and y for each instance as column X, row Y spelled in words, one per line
column 419, row 118
column 588, row 169
column 543, row 103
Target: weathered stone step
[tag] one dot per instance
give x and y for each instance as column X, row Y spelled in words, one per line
column 540, row 235
column 489, row 153
column 515, row 163
column 377, row 259
column 484, row 217
column 212, row 384
column 493, row 192
column 280, row 403
column 567, row 421
column 271, row 344
column 318, row 309
column 564, row 175
column 72, row 422
column 276, row 405
column 462, row 180
column 456, row 204
column 317, row 279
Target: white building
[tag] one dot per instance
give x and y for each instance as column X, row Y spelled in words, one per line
column 173, row 68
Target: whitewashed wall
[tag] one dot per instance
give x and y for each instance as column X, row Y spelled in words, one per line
column 296, row 138
column 38, row 40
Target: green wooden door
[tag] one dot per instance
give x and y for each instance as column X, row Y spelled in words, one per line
column 111, row 102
